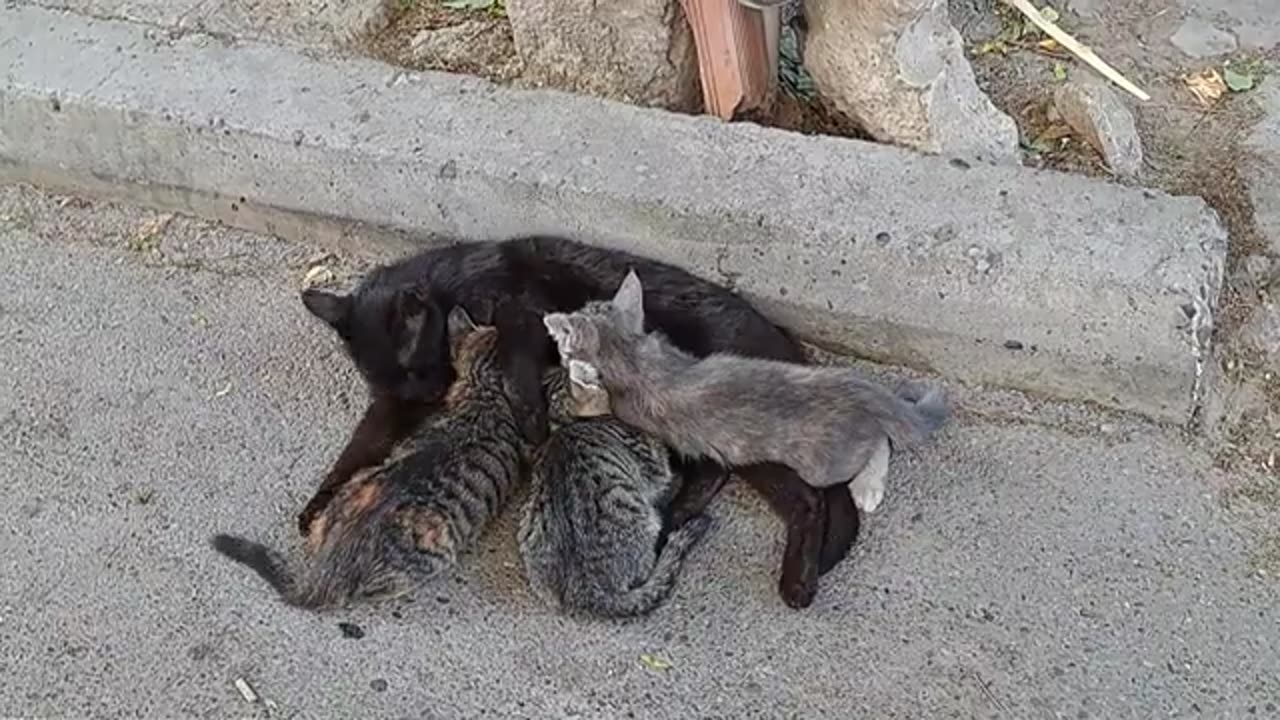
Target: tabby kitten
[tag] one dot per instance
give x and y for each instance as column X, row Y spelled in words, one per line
column 828, row 424
column 591, row 535
column 408, row 519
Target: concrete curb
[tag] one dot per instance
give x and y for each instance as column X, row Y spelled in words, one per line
column 1039, row 281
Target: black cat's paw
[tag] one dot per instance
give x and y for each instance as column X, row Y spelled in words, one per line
column 798, row 592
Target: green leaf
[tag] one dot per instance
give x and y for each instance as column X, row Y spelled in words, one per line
column 1059, row 72
column 1237, row 81
column 655, row 663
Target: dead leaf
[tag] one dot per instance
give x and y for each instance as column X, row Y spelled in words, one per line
column 1207, row 86
column 318, row 275
column 147, row 236
column 1048, row 44
column 1052, row 134
column 655, row 663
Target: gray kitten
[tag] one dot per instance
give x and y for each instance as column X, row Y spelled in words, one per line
column 591, row 533
column 406, row 521
column 828, row 424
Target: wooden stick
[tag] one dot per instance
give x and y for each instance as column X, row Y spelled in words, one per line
column 1084, row 53
column 731, row 55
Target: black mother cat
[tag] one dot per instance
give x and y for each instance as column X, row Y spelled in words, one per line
column 511, row 284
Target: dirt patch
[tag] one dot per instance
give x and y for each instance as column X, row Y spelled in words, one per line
column 425, row 35
column 816, row 116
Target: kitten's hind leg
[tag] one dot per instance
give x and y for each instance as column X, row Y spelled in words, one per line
column 867, row 487
column 702, row 480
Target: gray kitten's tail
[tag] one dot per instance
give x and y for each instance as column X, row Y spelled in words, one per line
column 923, row 412
column 647, row 596
column 930, row 406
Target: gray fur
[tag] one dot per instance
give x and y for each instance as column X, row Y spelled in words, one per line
column 406, row 521
column 825, row 423
column 591, row 530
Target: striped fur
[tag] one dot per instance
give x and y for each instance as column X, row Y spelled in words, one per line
column 407, row 521
column 591, row 535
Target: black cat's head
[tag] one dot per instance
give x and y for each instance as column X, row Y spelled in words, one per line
column 396, row 336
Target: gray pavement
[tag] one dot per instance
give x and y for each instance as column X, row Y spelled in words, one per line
column 161, row 382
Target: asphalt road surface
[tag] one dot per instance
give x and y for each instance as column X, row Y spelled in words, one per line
column 160, row 381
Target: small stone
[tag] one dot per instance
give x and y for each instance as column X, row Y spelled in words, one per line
column 1012, row 345
column 1262, row 333
column 1086, row 8
column 378, row 685
column 1253, row 274
column 1095, row 112
column 1200, row 39
column 351, row 630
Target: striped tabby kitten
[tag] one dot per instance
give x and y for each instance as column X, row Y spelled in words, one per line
column 592, row 531
column 409, row 518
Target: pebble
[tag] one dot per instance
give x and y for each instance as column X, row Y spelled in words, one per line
column 1200, row 39
column 1097, row 114
column 351, row 630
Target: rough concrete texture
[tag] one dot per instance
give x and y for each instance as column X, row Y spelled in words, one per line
column 636, row 51
column 1096, row 112
column 898, row 68
column 305, row 22
column 1057, row 284
column 1083, row 567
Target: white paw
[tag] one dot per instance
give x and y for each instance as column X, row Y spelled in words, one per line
column 867, row 495
column 867, row 487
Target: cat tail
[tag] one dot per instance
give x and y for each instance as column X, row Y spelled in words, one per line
column 930, row 403
column 921, row 412
column 647, row 596
column 269, row 564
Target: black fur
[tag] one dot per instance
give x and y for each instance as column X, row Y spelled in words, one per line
column 511, row 284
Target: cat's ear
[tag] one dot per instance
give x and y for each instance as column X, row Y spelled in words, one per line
column 558, row 326
column 629, row 302
column 460, row 323
column 330, row 307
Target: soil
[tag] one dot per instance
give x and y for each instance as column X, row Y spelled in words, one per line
column 490, row 53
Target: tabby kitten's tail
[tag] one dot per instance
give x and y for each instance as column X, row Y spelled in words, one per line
column 647, row 596
column 268, row 563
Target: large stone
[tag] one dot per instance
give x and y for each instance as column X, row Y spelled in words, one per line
column 898, row 67
column 636, row 51
column 1095, row 112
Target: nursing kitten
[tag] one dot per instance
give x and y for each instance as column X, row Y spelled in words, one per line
column 406, row 522
column 591, row 535
column 827, row 424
